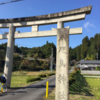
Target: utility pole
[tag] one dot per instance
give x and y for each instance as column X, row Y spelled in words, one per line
column 97, row 56
column 21, row 56
column 51, row 59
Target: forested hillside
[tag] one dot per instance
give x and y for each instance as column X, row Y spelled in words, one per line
column 23, row 63
column 87, row 50
column 35, row 52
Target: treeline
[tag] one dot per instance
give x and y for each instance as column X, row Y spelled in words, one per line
column 35, row 52
column 21, row 55
column 87, row 50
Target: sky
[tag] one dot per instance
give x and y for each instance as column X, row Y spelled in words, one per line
column 27, row 8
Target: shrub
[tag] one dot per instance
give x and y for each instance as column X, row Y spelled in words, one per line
column 75, row 68
column 69, row 67
column 98, row 68
column 45, row 65
column 16, row 57
column 74, row 73
column 31, row 79
column 71, row 80
column 51, row 74
column 72, row 77
column 78, row 72
column 42, row 75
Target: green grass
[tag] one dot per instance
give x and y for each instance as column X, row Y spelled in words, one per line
column 19, row 81
column 90, row 75
column 94, row 84
column 18, row 78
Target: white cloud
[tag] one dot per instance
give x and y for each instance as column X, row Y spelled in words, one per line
column 86, row 24
column 92, row 25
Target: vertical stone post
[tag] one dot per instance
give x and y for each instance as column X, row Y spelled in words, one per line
column 62, row 63
column 34, row 28
column 9, row 55
column 60, row 25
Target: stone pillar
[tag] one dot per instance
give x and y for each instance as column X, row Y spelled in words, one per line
column 9, row 55
column 62, row 63
column 34, row 28
column 60, row 25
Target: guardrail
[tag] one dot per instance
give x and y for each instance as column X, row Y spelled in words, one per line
column 90, row 72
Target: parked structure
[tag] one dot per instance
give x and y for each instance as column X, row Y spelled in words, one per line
column 88, row 64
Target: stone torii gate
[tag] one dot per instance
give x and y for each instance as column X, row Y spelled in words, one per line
column 62, row 80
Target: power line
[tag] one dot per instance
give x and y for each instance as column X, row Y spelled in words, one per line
column 10, row 2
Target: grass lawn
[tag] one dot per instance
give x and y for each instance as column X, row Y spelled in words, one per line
column 90, row 75
column 94, row 84
column 82, row 89
column 18, row 81
column 18, row 78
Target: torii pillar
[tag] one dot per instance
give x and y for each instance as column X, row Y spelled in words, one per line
column 9, row 55
column 62, row 77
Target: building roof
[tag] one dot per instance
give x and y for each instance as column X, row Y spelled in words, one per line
column 89, row 61
column 86, row 66
column 86, row 10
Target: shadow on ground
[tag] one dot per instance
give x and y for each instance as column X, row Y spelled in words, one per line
column 21, row 89
column 80, row 86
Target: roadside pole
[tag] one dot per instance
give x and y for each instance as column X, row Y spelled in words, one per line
column 47, row 88
column 51, row 59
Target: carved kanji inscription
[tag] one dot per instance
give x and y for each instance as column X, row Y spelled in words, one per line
column 62, row 79
column 61, row 96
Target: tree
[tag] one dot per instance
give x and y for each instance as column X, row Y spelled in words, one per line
column 78, row 51
column 47, row 42
column 88, row 58
column 96, row 36
column 16, row 57
column 85, row 47
column 93, row 57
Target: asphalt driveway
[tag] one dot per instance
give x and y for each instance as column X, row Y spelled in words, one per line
column 33, row 92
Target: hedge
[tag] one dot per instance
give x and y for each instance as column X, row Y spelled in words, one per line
column 72, row 76
column 31, row 79
column 51, row 74
column 42, row 75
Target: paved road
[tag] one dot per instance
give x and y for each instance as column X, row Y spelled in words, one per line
column 72, row 68
column 33, row 92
